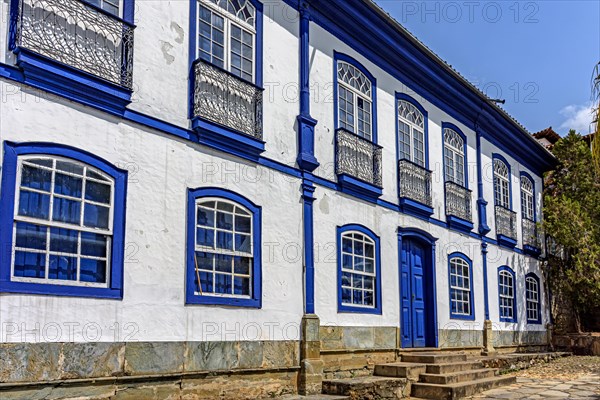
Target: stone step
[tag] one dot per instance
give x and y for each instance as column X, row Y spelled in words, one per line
column 459, row 390
column 368, row 387
column 313, row 397
column 433, row 358
column 448, row 368
column 400, row 370
column 461, row 376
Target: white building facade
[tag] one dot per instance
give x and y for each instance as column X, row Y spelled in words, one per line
column 190, row 188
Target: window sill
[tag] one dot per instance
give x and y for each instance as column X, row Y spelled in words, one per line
column 506, row 241
column 64, row 80
column 227, row 140
column 508, row 320
column 463, row 317
column 412, row 207
column 356, row 187
column 459, row 224
column 532, row 251
column 60, row 290
column 342, row 308
column 193, row 299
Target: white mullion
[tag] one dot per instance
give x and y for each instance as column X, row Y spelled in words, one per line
column 50, row 218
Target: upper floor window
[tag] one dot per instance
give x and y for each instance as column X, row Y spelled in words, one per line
column 532, row 297
column 227, row 35
column 506, row 294
column 527, row 198
column 501, row 183
column 67, row 223
column 225, row 258
column 461, row 287
column 454, row 157
column 359, row 280
column 111, row 6
column 411, row 133
column 355, row 100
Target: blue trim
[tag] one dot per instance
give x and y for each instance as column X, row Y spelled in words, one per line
column 308, row 198
column 430, row 241
column 344, row 308
column 405, row 97
column 459, row 224
column 7, row 208
column 228, row 140
column 483, row 229
column 64, row 80
column 537, row 321
column 486, row 296
column 344, row 57
column 510, row 271
column 357, row 188
column 414, row 208
column 532, row 251
column 190, row 297
column 471, row 316
column 506, row 241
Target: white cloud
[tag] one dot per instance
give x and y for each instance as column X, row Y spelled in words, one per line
column 578, row 117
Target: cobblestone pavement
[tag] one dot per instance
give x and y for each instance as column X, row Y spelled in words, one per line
column 565, row 378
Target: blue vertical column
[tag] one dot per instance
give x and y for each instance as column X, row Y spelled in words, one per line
column 486, row 301
column 481, row 203
column 308, row 190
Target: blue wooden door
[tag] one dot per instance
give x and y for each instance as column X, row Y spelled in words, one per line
column 413, row 294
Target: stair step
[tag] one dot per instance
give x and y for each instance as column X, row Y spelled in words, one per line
column 367, row 387
column 400, row 370
column 313, row 397
column 433, row 358
column 459, row 390
column 448, row 368
column 460, row 376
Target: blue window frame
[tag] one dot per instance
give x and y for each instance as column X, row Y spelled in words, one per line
column 412, row 136
column 224, row 249
column 455, row 155
column 359, row 270
column 533, row 299
column 502, row 182
column 63, row 218
column 355, row 108
column 527, row 197
column 507, row 296
column 460, row 280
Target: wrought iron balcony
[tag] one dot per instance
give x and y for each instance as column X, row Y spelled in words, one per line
column 458, row 201
column 530, row 234
column 414, row 182
column 506, row 222
column 225, row 99
column 358, row 157
column 77, row 34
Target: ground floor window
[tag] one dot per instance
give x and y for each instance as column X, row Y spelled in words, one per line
column 532, row 297
column 461, row 287
column 506, row 294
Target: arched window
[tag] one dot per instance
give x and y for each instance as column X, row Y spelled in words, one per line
column 66, row 222
column 461, row 287
column 411, row 133
column 527, row 198
column 359, row 271
column 454, row 157
column 227, row 35
column 355, row 100
column 224, row 265
column 501, row 183
column 507, row 294
column 532, row 297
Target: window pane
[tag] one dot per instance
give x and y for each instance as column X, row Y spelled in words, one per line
column 65, row 210
column 93, row 244
column 29, row 265
column 67, row 185
column 241, row 286
column 224, row 221
column 92, row 271
column 31, row 236
column 204, row 261
column 242, row 224
column 224, row 240
column 223, row 263
column 96, row 216
column 241, row 265
column 63, row 268
column 223, row 284
column 97, row 192
column 36, row 178
column 243, row 243
column 205, row 237
column 63, row 240
column 206, row 217
column 35, row 205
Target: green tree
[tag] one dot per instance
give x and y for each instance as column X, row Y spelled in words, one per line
column 596, row 139
column 572, row 219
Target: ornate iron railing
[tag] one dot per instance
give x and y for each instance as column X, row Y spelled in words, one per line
column 530, row 233
column 358, row 157
column 77, row 34
column 458, row 201
column 223, row 98
column 506, row 222
column 414, row 182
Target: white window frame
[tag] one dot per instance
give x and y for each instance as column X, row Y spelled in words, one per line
column 228, row 20
column 532, row 296
column 527, row 199
column 349, row 235
column 501, row 184
column 63, row 225
column 463, row 266
column 412, row 128
column 217, row 251
column 119, row 5
column 356, row 94
column 507, row 301
column 457, row 155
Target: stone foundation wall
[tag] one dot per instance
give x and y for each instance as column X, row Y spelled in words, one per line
column 450, row 338
column 579, row 344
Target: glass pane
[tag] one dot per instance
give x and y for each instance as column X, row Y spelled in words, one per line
column 31, row 236
column 67, row 185
column 206, row 217
column 206, row 278
column 97, row 192
column 92, row 271
column 346, row 296
column 359, row 264
column 224, row 240
column 242, row 224
column 204, row 261
column 96, row 216
column 223, row 263
column 205, row 237
column 29, row 265
column 68, row 211
column 347, row 245
column 63, row 268
column 70, row 167
column 243, row 243
column 225, row 207
column 36, row 178
column 93, row 244
column 223, row 284
column 369, row 266
column 63, row 240
column 224, row 221
column 34, row 205
column 241, row 265
column 241, row 286
column 347, row 261
column 358, row 248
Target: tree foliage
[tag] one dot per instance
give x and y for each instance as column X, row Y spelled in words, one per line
column 596, row 139
column 572, row 220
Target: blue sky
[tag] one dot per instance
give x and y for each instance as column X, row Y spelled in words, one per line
column 537, row 55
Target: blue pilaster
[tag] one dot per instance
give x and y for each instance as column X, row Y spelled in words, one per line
column 481, row 203
column 308, row 190
column 486, row 301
